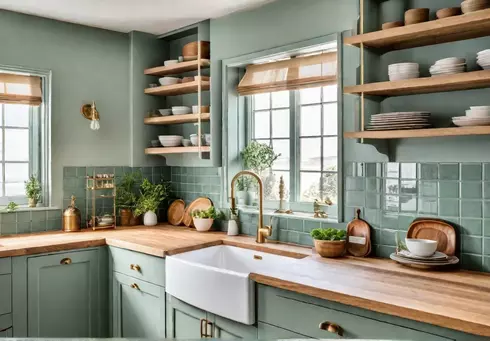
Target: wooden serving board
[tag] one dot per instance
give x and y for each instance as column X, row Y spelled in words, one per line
column 437, row 230
column 175, row 213
column 359, row 228
column 201, row 203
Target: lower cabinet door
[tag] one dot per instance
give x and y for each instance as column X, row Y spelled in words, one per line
column 269, row 332
column 62, row 295
column 138, row 308
column 185, row 321
column 227, row 329
column 6, row 325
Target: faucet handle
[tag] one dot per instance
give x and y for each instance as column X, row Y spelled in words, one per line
column 269, row 230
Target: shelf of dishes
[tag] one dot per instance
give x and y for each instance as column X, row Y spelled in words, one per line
column 419, row 133
column 179, row 141
column 176, row 150
column 174, row 86
column 100, row 182
column 175, row 67
column 178, row 114
column 417, row 30
column 105, row 221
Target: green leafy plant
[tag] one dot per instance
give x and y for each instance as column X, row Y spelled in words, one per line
column 210, row 213
column 33, row 188
column 11, row 207
column 328, row 234
column 258, row 157
column 126, row 192
column 243, row 183
column 151, row 196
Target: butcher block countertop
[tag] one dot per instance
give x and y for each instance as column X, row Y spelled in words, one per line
column 455, row 299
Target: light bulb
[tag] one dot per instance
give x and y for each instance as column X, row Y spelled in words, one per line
column 95, row 125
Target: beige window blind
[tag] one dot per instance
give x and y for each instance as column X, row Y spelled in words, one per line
column 18, row 89
column 291, row 74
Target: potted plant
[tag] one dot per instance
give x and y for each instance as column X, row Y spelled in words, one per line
column 204, row 219
column 242, row 186
column 126, row 198
column 33, row 190
column 329, row 242
column 151, row 196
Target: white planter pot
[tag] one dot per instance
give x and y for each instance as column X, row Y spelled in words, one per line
column 232, row 227
column 150, row 219
column 202, row 225
column 241, row 197
column 252, row 198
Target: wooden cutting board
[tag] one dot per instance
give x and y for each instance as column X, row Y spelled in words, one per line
column 201, row 203
column 435, row 229
column 175, row 213
column 358, row 228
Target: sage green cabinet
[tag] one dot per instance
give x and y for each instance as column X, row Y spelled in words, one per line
column 269, row 332
column 6, row 325
column 227, row 329
column 138, row 308
column 61, row 294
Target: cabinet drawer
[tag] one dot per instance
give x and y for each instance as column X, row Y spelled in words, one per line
column 5, row 266
column 5, row 294
column 276, row 307
column 138, row 265
column 6, row 325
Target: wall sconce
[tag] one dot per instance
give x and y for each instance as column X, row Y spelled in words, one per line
column 89, row 111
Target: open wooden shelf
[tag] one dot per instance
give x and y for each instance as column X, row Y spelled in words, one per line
column 460, row 81
column 176, row 150
column 177, row 89
column 461, row 27
column 414, row 133
column 177, row 68
column 176, row 119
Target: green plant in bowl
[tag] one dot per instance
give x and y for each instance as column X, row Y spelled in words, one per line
column 329, row 242
column 328, row 234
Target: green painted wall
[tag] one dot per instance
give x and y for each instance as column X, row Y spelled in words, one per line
column 87, row 64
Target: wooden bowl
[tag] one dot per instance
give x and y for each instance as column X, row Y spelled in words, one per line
column 329, row 248
column 416, row 15
column 391, row 24
column 190, row 50
column 448, row 12
column 468, row 6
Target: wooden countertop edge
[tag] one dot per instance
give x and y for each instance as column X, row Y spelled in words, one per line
column 33, row 250
column 389, row 309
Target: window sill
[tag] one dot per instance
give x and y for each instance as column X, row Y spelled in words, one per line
column 295, row 215
column 22, row 208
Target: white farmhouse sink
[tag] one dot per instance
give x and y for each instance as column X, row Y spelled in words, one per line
column 216, row 279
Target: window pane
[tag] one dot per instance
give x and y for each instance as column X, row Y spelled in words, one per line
column 271, row 185
column 17, row 115
column 310, row 95
column 330, row 93
column 330, row 153
column 262, row 124
column 280, row 123
column 330, row 119
column 329, row 186
column 16, row 145
column 16, row 172
column 14, row 189
column 261, row 101
column 281, row 147
column 310, row 186
column 310, row 154
column 311, row 120
column 1, row 147
column 280, row 99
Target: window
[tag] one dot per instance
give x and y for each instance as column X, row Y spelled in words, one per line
column 301, row 125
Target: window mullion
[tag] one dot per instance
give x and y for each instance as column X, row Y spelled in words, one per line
column 321, row 143
column 294, row 146
column 3, row 150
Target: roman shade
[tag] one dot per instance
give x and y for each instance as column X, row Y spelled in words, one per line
column 291, row 74
column 18, row 89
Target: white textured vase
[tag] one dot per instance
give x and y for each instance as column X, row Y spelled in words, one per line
column 241, row 197
column 150, row 219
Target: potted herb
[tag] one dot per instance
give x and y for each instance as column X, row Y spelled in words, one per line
column 329, row 242
column 33, row 190
column 126, row 198
column 11, row 207
column 151, row 196
column 242, row 186
column 204, row 219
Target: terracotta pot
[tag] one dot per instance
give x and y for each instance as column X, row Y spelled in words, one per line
column 128, row 218
column 330, row 248
column 32, row 202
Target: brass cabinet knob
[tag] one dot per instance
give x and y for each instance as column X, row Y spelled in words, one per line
column 332, row 328
column 135, row 286
column 65, row 261
column 135, row 267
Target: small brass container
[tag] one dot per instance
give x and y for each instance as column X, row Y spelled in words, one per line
column 71, row 217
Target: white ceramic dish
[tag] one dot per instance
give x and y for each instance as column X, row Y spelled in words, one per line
column 398, row 77
column 451, row 61
column 170, row 62
column 202, row 225
column 170, row 140
column 186, row 143
column 464, row 121
column 481, row 107
column 207, row 139
column 421, row 247
column 477, row 113
column 165, row 112
column 181, row 110
column 169, row 80
column 194, row 139
column 483, row 52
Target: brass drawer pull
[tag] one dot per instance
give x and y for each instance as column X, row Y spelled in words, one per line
column 135, row 267
column 4, row 330
column 65, row 261
column 332, row 328
column 204, row 328
column 135, row 286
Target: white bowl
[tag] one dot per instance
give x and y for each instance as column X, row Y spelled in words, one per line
column 478, row 113
column 169, row 80
column 194, row 139
column 186, row 142
column 202, row 225
column 170, row 62
column 165, row 112
column 421, row 247
column 484, row 52
column 181, row 110
column 207, row 138
column 170, row 140
column 451, row 61
column 481, row 107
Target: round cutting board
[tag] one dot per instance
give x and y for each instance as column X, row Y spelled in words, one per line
column 201, row 203
column 175, row 213
column 435, row 229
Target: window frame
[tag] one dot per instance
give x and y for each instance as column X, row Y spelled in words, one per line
column 39, row 135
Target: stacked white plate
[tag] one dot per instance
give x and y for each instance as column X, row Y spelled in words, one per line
column 181, row 110
column 476, row 116
column 399, row 121
column 401, row 71
column 437, row 259
column 448, row 66
column 170, row 140
column 483, row 59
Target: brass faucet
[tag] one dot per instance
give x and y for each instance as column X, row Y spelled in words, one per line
column 262, row 231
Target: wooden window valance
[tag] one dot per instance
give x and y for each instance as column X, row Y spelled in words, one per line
column 291, row 74
column 18, row 89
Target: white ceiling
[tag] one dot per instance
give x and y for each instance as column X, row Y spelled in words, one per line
column 152, row 16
